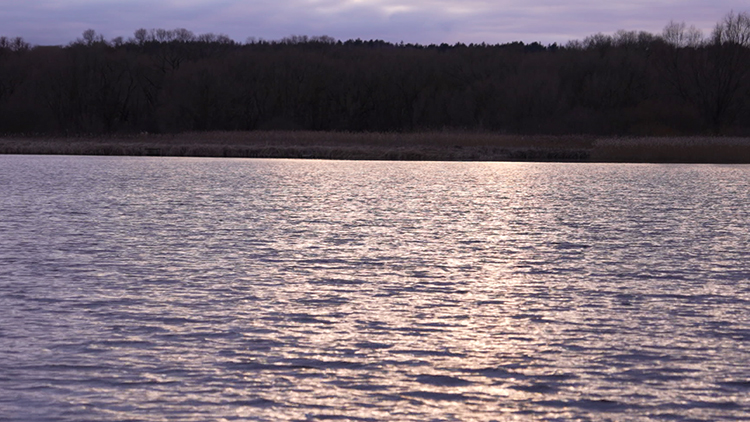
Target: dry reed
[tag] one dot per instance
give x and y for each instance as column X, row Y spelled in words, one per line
column 438, row 146
column 672, row 150
column 326, row 145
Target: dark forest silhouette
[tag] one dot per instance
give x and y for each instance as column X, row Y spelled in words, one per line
column 167, row 81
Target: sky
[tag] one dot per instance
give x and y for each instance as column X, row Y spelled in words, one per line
column 55, row 22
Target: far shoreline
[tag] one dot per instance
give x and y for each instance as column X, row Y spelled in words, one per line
column 417, row 146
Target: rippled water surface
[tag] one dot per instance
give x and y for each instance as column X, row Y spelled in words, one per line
column 218, row 289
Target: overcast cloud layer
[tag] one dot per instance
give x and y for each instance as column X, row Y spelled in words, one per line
column 50, row 22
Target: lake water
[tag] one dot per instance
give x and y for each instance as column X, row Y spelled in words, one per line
column 152, row 289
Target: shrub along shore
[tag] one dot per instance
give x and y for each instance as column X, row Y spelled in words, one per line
column 422, row 146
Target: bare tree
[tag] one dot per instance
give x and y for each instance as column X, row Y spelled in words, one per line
column 14, row 44
column 734, row 29
column 90, row 37
column 681, row 35
column 714, row 74
column 141, row 36
column 183, row 35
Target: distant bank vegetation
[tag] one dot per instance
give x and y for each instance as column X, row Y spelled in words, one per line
column 677, row 83
column 415, row 146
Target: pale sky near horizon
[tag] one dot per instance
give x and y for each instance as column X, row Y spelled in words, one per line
column 52, row 22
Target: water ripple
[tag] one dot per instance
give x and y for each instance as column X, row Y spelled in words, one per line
column 195, row 289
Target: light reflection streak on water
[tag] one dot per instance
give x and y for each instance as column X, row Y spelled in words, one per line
column 193, row 289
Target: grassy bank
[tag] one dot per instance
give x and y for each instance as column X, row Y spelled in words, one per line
column 439, row 146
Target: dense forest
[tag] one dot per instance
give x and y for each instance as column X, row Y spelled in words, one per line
column 679, row 82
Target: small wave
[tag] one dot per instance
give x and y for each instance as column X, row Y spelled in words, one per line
column 333, row 417
column 588, row 404
column 711, row 405
column 498, row 372
column 569, row 245
column 442, row 381
column 739, row 384
column 428, row 353
column 431, row 395
column 257, row 402
column 535, row 388
column 339, row 282
column 259, row 366
column 372, row 345
column 307, row 319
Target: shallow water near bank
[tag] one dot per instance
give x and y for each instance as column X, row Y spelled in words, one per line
column 191, row 288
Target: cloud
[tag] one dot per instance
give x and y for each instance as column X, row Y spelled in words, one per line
column 436, row 21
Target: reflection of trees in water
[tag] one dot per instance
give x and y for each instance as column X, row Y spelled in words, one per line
column 678, row 82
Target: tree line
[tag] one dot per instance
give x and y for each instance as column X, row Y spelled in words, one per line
column 679, row 82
